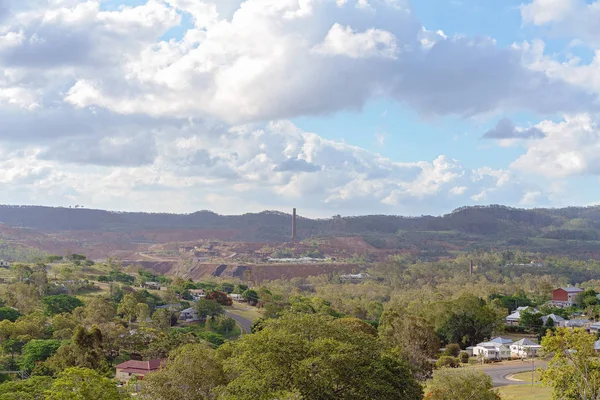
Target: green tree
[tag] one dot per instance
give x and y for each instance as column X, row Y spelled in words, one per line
column 309, row 356
column 38, row 350
column 208, row 308
column 29, row 389
column 83, row 384
column 99, row 310
column 531, row 320
column 143, row 312
column 161, row 319
column 251, row 296
column 60, row 303
column 452, row 350
column 9, row 313
column 128, row 307
column 192, row 373
column 460, row 383
column 574, row 371
column 85, row 350
column 226, row 325
column 227, row 287
column 412, row 336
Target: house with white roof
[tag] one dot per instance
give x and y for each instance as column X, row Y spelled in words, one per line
column 578, row 323
column 524, row 348
column 595, row 327
column 491, row 351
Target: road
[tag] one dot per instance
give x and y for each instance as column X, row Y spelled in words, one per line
column 499, row 373
column 246, row 324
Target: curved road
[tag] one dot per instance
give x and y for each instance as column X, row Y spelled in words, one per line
column 500, row 373
column 246, row 324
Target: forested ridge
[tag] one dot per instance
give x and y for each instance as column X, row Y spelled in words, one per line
column 578, row 228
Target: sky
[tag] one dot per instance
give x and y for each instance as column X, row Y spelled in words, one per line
column 344, row 107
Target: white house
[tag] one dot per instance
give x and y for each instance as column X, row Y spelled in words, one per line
column 491, row 351
column 189, row 314
column 515, row 317
column 197, row 294
column 524, row 348
column 595, row 327
column 237, row 297
column 597, row 346
column 4, row 264
column 558, row 320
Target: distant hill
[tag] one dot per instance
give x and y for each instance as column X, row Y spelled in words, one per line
column 572, row 229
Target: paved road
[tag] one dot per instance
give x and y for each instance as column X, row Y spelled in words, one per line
column 500, row 372
column 245, row 323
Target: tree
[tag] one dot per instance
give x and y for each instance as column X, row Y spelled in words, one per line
column 460, row 383
column 128, row 307
column 60, row 303
column 85, row 350
column 310, row 356
column 251, row 296
column 22, row 296
column 227, row 287
column 99, row 310
column 452, row 350
column 412, row 336
column 574, row 371
column 11, row 346
column 220, row 298
column 226, row 325
column 9, row 313
column 29, row 389
column 587, row 298
column 192, row 372
column 208, row 308
column 83, row 384
column 143, row 312
column 161, row 319
column 38, row 350
column 447, row 361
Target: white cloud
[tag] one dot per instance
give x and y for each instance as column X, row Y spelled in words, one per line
column 344, row 41
column 571, row 147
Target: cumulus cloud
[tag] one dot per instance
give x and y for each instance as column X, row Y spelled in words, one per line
column 570, row 148
column 506, row 129
column 116, row 108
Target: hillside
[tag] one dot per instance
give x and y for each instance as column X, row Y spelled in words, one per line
column 572, row 230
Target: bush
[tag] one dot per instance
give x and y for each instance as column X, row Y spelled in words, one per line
column 447, row 361
column 452, row 350
column 464, row 357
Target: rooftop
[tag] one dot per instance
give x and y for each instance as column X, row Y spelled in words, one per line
column 572, row 289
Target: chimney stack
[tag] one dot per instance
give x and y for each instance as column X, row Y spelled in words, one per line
column 294, row 225
column 471, row 268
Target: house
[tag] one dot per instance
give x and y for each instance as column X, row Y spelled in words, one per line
column 524, row 348
column 189, row 315
column 354, row 277
column 197, row 294
column 151, row 285
column 515, row 317
column 595, row 327
column 136, row 368
column 469, row 351
column 597, row 346
column 565, row 296
column 491, row 351
column 4, row 264
column 502, row 340
column 237, row 297
column 578, row 323
column 558, row 320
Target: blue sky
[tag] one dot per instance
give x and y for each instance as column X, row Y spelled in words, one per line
column 332, row 106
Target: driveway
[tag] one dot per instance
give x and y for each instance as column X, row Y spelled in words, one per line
column 499, row 373
column 246, row 324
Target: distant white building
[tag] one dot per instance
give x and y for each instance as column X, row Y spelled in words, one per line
column 197, row 294
column 237, row 297
column 524, row 348
column 491, row 351
column 354, row 277
column 4, row 264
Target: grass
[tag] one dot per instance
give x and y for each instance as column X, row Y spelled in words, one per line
column 245, row 311
column 525, row 392
column 526, row 376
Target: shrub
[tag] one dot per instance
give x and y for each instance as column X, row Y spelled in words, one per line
column 447, row 361
column 452, row 350
column 464, row 357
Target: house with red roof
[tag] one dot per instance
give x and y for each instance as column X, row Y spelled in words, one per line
column 138, row 368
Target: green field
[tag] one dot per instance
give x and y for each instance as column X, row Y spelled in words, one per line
column 526, row 376
column 525, row 392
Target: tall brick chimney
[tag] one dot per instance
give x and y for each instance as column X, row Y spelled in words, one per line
column 294, row 225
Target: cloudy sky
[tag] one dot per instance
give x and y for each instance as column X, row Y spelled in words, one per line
column 331, row 106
